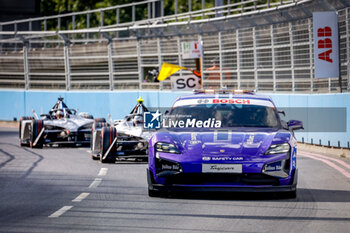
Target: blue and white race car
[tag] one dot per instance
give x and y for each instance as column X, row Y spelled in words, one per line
column 61, row 126
column 223, row 141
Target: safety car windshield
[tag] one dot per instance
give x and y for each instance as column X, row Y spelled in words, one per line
column 230, row 115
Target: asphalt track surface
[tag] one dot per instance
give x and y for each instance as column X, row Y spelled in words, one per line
column 63, row 190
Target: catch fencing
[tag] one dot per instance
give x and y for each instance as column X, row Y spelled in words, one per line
column 261, row 45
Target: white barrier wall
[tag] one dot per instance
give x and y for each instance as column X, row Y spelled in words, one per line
column 15, row 104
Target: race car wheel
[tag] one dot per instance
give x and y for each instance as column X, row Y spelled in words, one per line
column 100, row 120
column 36, row 126
column 20, row 123
column 108, row 134
column 98, row 125
column 87, row 116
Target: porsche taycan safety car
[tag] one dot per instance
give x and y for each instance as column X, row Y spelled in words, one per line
column 121, row 139
column 223, row 140
column 62, row 125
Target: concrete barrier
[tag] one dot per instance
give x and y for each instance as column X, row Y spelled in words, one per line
column 17, row 103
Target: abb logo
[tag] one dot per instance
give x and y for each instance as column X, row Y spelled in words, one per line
column 326, row 52
column 196, row 48
column 325, row 43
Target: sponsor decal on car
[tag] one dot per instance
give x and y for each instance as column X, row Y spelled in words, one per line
column 221, row 168
column 276, row 166
column 222, row 158
column 194, row 139
column 250, row 140
column 227, row 158
column 231, row 101
column 244, row 101
column 294, row 157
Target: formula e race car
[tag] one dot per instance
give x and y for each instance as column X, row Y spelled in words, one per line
column 224, row 140
column 122, row 139
column 61, row 125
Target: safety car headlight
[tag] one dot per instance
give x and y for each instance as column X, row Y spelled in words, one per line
column 167, row 148
column 278, row 149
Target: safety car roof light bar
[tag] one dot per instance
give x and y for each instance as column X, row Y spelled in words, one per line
column 225, row 91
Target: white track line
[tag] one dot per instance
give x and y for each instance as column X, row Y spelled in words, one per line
column 81, row 197
column 328, row 158
column 329, row 163
column 60, row 211
column 103, row 171
column 95, row 183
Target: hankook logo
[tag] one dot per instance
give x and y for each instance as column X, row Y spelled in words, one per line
column 202, row 101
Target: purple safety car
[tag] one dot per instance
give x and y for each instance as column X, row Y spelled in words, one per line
column 223, row 141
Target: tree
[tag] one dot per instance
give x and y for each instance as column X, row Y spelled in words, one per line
column 55, row 7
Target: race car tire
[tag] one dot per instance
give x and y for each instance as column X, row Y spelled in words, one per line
column 99, row 125
column 37, row 126
column 108, row 134
column 100, row 120
column 20, row 123
column 87, row 116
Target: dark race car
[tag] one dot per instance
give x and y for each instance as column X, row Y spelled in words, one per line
column 62, row 125
column 223, row 141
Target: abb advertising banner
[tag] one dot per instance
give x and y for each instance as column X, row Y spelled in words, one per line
column 326, row 50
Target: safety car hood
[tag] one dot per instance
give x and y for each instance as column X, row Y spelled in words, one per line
column 240, row 141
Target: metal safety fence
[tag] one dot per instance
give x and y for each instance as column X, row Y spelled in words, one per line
column 266, row 48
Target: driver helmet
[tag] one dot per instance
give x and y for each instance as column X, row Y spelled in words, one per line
column 59, row 114
column 137, row 120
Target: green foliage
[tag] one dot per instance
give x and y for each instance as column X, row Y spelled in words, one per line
column 55, row 7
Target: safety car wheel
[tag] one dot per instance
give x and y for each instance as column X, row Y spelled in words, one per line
column 36, row 127
column 155, row 193
column 108, row 134
column 291, row 194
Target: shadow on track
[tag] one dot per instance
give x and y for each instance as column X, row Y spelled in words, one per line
column 11, row 157
column 303, row 195
column 214, row 216
column 35, row 164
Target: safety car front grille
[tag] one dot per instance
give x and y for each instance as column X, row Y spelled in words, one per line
column 222, row 179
